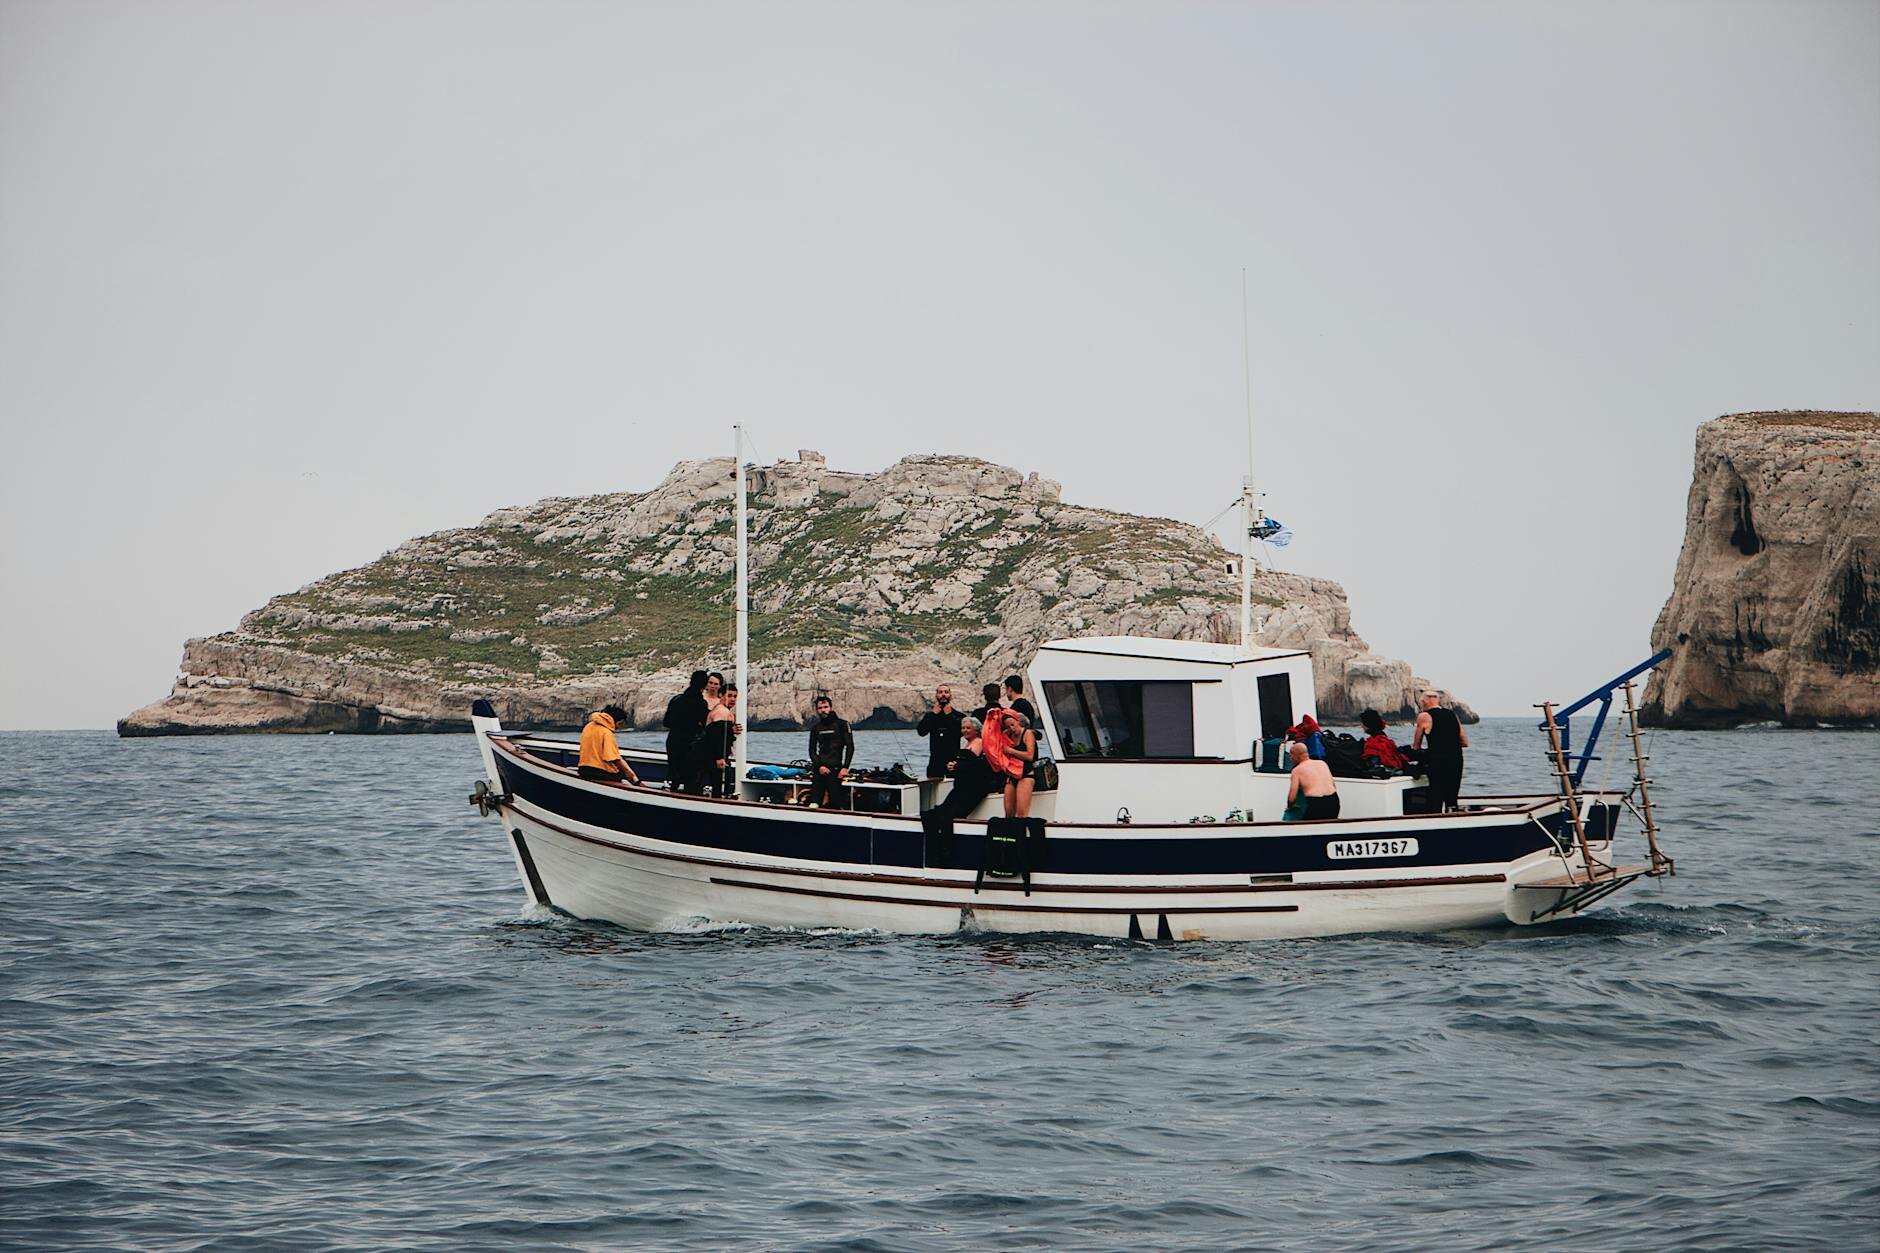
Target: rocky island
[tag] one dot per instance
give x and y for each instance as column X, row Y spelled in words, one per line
column 872, row 587
column 1774, row 613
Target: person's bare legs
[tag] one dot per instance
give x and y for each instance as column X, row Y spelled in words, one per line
column 1021, row 792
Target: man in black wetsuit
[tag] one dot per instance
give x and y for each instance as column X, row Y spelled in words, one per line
column 831, row 749
column 684, row 723
column 1440, row 738
column 716, row 759
column 942, row 723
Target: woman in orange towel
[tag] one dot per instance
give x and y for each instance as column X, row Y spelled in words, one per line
column 1021, row 749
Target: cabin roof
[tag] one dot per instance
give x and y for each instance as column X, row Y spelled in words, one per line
column 1168, row 650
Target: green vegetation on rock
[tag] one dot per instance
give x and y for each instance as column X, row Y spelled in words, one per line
column 589, row 586
column 938, row 568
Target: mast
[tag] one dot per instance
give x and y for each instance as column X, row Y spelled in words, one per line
column 1249, row 498
column 744, row 606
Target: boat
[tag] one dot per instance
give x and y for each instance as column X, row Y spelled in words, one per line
column 1164, row 820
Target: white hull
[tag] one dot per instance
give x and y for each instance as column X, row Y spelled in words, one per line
column 651, row 886
column 1107, row 850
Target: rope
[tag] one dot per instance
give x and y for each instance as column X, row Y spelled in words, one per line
column 1605, row 771
column 750, row 447
column 1209, row 524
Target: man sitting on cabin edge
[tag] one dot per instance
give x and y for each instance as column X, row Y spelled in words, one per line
column 973, row 779
column 600, row 751
column 831, row 749
column 1313, row 794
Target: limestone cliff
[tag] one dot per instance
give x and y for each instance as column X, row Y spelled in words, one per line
column 871, row 587
column 1775, row 609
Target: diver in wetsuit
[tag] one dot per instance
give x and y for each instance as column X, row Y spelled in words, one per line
column 942, row 722
column 716, row 761
column 831, row 749
column 684, row 721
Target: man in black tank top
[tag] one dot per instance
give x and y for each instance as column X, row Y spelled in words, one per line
column 1441, row 739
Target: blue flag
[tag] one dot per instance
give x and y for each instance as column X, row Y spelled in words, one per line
column 1274, row 532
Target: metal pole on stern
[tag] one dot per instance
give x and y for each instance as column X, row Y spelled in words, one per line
column 739, row 753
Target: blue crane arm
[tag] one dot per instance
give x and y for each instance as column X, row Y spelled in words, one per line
column 1602, row 694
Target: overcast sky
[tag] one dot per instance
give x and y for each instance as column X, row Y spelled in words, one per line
column 282, row 285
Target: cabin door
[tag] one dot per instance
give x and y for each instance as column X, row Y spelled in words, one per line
column 1276, row 711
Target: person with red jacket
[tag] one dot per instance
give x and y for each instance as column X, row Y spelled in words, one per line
column 1379, row 745
column 1309, row 733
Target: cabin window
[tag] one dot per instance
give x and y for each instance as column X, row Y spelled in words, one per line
column 1276, row 714
column 1117, row 718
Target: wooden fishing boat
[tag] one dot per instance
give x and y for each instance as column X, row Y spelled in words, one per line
column 1148, row 737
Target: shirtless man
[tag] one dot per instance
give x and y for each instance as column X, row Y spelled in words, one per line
column 1311, row 783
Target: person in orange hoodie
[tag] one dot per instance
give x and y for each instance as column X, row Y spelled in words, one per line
column 600, row 751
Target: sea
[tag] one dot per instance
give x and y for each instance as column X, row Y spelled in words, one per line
column 285, row 993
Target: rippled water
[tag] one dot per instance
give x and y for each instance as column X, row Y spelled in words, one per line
column 264, row 992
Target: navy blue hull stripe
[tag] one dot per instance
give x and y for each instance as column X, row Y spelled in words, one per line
column 1139, row 889
column 561, row 761
column 735, row 828
column 999, row 898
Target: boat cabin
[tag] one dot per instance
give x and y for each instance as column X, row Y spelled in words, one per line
column 1154, row 730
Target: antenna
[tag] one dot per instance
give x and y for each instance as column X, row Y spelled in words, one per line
column 1246, row 368
column 1249, row 498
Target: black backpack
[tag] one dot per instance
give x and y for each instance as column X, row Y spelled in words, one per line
column 1344, row 754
